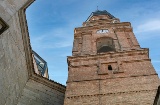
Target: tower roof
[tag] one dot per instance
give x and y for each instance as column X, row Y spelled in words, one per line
column 98, row 12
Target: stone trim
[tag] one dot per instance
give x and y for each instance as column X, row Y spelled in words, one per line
column 28, row 52
column 108, row 94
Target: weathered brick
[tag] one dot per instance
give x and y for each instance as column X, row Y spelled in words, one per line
column 119, row 75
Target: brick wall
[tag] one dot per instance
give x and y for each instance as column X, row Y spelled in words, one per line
column 132, row 78
column 121, row 77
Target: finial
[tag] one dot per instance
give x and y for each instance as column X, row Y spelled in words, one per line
column 97, row 8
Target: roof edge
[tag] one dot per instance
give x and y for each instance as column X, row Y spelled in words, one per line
column 98, row 12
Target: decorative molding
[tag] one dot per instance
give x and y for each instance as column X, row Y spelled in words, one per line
column 108, row 94
column 131, row 76
column 79, row 66
column 131, row 61
column 25, row 38
column 3, row 26
column 110, row 55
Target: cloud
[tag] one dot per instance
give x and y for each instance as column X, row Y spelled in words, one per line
column 50, row 44
column 55, row 38
column 148, row 29
column 152, row 25
column 52, row 31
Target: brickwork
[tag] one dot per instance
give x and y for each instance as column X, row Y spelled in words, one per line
column 129, row 98
column 124, row 76
column 121, row 33
column 124, row 64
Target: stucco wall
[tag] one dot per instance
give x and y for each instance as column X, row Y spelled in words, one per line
column 18, row 82
column 13, row 70
column 36, row 93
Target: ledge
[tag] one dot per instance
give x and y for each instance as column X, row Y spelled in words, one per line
column 108, row 94
column 112, row 54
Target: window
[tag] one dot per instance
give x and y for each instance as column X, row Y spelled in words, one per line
column 41, row 64
column 109, row 67
column 102, row 31
column 3, row 26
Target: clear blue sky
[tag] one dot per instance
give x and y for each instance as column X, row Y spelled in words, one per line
column 51, row 24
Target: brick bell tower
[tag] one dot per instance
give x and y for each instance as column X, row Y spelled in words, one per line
column 108, row 66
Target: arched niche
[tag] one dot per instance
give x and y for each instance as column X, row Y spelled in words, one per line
column 105, row 44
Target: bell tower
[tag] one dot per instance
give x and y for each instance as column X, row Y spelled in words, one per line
column 108, row 66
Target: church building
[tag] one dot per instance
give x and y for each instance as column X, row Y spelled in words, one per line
column 107, row 66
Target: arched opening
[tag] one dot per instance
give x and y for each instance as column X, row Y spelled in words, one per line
column 105, row 44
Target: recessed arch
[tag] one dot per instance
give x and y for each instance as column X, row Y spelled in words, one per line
column 105, row 44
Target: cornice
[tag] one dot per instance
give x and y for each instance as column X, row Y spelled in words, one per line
column 108, row 94
column 112, row 54
column 50, row 83
column 123, row 29
column 99, row 78
column 123, row 24
column 106, row 62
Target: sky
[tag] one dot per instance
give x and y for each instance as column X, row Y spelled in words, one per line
column 51, row 25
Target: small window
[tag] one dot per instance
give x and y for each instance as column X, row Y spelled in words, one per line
column 3, row 26
column 41, row 63
column 109, row 67
column 102, row 31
